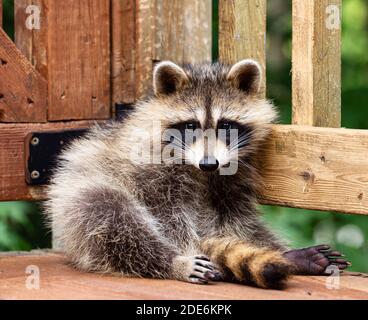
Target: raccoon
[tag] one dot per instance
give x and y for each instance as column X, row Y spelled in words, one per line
column 178, row 220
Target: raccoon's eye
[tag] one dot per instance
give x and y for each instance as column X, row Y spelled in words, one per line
column 191, row 126
column 227, row 126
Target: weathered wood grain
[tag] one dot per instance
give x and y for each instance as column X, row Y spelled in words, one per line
column 12, row 158
column 183, row 31
column 175, row 30
column 316, row 168
column 23, row 91
column 22, row 35
column 144, row 47
column 40, row 40
column 72, row 52
column 78, row 59
column 242, row 32
column 316, row 55
column 32, row 43
column 60, row 281
column 123, row 51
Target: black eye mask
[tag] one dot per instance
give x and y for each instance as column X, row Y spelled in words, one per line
column 244, row 132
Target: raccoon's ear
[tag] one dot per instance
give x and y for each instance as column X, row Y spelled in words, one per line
column 168, row 78
column 246, row 76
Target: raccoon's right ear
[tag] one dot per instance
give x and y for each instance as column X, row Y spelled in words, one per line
column 168, row 78
column 246, row 76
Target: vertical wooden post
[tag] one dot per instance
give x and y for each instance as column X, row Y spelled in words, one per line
column 316, row 56
column 32, row 43
column 242, row 32
column 40, row 40
column 183, row 31
column 123, row 51
column 144, row 46
column 23, row 36
column 178, row 30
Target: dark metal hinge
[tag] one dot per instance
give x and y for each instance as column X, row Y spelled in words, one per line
column 41, row 151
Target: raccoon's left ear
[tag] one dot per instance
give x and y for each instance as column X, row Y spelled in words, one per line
column 246, row 76
column 168, row 78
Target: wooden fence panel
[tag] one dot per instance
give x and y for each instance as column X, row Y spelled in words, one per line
column 316, row 63
column 72, row 52
column 23, row 91
column 78, row 59
column 242, row 32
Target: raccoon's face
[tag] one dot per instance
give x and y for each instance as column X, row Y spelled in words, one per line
column 212, row 114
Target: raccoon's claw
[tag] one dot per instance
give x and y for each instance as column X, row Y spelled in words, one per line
column 204, row 270
column 316, row 260
column 202, row 257
column 205, row 277
column 197, row 269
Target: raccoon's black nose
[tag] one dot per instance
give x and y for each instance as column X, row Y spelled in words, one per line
column 209, row 164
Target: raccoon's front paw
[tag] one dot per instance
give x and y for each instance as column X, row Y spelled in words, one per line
column 195, row 269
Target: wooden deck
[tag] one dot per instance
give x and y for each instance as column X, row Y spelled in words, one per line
column 60, row 281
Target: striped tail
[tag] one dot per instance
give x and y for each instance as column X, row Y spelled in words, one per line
column 245, row 263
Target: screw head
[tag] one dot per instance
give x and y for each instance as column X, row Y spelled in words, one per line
column 35, row 174
column 35, row 141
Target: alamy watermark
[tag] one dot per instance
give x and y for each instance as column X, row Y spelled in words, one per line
column 333, row 280
column 33, row 278
column 173, row 146
column 34, row 17
column 333, row 19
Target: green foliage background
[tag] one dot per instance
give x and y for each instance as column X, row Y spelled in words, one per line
column 21, row 225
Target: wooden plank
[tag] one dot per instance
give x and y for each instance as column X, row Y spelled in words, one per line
column 12, row 158
column 316, row 168
column 175, row 30
column 40, row 40
column 316, row 63
column 242, row 32
column 23, row 91
column 22, row 35
column 58, row 280
column 78, row 59
column 32, row 43
column 144, row 47
column 123, row 51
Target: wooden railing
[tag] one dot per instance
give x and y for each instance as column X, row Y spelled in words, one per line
column 310, row 164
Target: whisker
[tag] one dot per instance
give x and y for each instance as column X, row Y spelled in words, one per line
column 183, row 143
